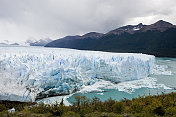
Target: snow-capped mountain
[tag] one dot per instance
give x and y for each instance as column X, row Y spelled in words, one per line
column 41, row 42
column 158, row 26
column 128, row 29
column 4, row 42
column 7, row 43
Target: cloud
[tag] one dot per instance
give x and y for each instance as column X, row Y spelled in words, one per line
column 24, row 19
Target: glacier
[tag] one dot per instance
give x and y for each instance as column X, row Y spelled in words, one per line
column 30, row 73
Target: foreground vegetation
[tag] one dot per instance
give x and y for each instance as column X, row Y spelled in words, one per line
column 143, row 106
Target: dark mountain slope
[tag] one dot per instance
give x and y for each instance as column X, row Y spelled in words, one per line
column 158, row 39
column 150, row 42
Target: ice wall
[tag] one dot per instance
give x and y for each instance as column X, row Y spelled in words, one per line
column 30, row 72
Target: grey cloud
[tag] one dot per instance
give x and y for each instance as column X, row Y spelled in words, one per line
column 23, row 19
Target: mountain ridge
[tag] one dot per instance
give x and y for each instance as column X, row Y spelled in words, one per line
column 158, row 39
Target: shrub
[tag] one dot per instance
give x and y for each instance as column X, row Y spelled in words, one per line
column 159, row 111
column 40, row 108
column 136, row 107
column 118, row 107
column 2, row 107
column 101, row 114
column 70, row 114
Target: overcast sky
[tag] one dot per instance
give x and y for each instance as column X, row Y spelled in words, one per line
column 36, row 19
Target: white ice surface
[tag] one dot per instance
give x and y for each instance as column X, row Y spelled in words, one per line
column 101, row 85
column 161, row 70
column 126, row 86
column 27, row 71
column 53, row 100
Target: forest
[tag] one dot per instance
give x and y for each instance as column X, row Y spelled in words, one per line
column 143, row 106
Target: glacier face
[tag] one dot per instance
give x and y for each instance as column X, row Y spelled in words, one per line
column 27, row 73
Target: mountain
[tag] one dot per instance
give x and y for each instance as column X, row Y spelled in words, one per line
column 128, row 29
column 3, row 44
column 92, row 35
column 6, row 43
column 158, row 26
column 15, row 44
column 41, row 42
column 158, row 39
column 69, row 41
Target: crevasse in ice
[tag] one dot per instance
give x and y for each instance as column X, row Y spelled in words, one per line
column 27, row 73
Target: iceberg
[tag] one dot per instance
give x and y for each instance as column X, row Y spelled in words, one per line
column 30, row 73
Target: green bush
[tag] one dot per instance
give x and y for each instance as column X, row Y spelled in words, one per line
column 40, row 108
column 136, row 107
column 2, row 107
column 118, row 107
column 101, row 114
column 159, row 111
column 70, row 114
